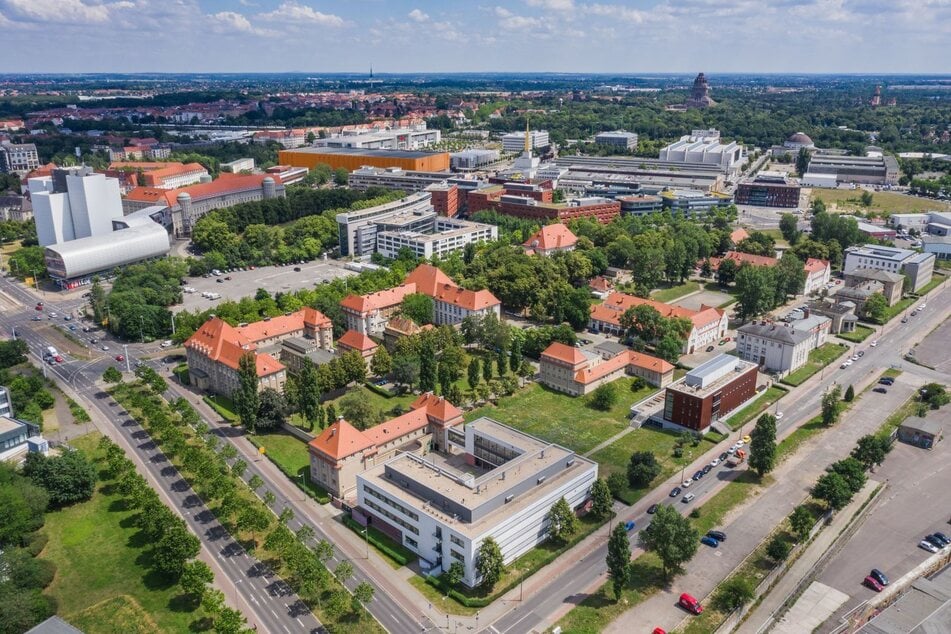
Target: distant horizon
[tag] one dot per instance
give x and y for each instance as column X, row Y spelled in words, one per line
column 351, row 73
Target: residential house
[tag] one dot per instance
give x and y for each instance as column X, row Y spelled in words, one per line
column 578, row 372
column 550, row 239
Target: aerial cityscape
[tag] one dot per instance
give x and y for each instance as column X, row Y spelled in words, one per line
column 552, row 317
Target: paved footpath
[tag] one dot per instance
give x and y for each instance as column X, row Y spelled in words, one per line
column 752, row 522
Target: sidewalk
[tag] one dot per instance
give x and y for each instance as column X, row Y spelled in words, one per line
column 789, row 582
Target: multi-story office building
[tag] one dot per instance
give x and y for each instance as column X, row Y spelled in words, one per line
column 415, row 138
column 871, row 170
column 238, row 165
column 778, row 347
column 74, row 203
column 486, row 480
column 578, row 372
column 288, row 139
column 357, row 230
column 620, row 139
column 515, row 141
column 408, row 181
column 16, row 437
column 917, row 266
column 691, row 202
column 164, row 175
column 604, row 210
column 640, row 204
column 705, row 148
column 6, row 404
column 645, row 175
column 769, row 189
column 18, row 158
column 468, row 160
column 447, row 235
column 710, row 392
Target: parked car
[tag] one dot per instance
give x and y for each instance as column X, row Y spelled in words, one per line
column 707, row 469
column 629, row 525
column 93, row 341
column 743, row 441
column 675, row 492
column 724, row 456
column 880, row 390
column 714, row 462
column 720, row 536
column 937, row 540
column 686, row 483
column 872, row 582
column 874, row 344
column 68, row 318
column 690, row 604
column 926, row 545
column 904, row 320
column 943, row 537
column 105, row 348
column 59, row 359
column 166, row 344
column 697, row 475
column 37, row 318
column 52, row 315
column 658, row 630
column 779, row 415
column 879, row 576
column 688, row 498
column 652, row 509
column 886, row 381
column 709, row 541
column 710, row 348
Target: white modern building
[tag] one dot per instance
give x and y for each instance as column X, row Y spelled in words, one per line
column 414, row 138
column 779, row 347
column 620, row 139
column 74, row 203
column 448, row 235
column 491, row 481
column 916, row 266
column 357, row 229
column 515, row 141
column 238, row 165
column 396, row 178
column 474, row 159
column 134, row 239
column 704, row 147
column 6, row 404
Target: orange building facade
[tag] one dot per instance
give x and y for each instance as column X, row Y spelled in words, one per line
column 351, row 159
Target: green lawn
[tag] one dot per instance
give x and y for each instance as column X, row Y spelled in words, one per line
column 882, row 202
column 100, row 556
column 563, row 419
column 906, row 409
column 223, row 405
column 292, row 458
column 791, row 443
column 615, row 457
column 900, row 307
column 754, row 409
column 860, row 334
column 378, row 401
column 746, row 486
column 818, row 359
column 936, row 279
column 671, row 293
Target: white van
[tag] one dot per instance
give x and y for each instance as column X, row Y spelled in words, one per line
column 688, row 498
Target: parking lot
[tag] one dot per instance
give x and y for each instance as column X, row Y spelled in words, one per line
column 274, row 279
column 935, row 349
column 916, row 503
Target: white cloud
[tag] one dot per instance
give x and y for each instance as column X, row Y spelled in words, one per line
column 231, row 22
column 418, row 16
column 553, row 5
column 292, row 11
column 63, row 11
column 615, row 11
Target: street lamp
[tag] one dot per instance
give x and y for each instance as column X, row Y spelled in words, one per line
column 366, row 534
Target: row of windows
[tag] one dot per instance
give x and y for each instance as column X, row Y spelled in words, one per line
column 455, row 540
column 396, row 505
column 13, row 442
column 392, row 517
column 457, row 556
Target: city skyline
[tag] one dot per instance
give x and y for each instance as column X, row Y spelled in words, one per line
column 667, row 36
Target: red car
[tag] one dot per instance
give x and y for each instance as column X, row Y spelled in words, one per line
column 873, row 583
column 658, row 630
column 58, row 359
column 120, row 358
column 690, row 604
column 39, row 307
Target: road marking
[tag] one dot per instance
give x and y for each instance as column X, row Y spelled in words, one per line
column 517, row 622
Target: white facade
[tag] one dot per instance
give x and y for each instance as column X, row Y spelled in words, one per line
column 618, row 138
column 917, row 266
column 816, row 280
column 414, row 138
column 87, row 206
column 239, row 165
column 704, row 150
column 515, row 141
column 778, row 347
column 450, row 235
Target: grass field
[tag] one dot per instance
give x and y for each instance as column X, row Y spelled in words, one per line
column 818, row 359
column 378, row 401
column 615, row 457
column 754, row 409
column 860, row 334
column 562, row 419
column 791, row 443
column 882, row 202
column 292, row 458
column 100, row 557
column 675, row 292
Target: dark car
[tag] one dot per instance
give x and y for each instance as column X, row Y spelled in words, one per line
column 724, row 456
column 707, row 469
column 710, row 348
column 297, row 269
column 652, row 509
column 879, row 576
column 709, row 541
column 938, row 543
column 228, row 277
column 698, row 475
column 880, row 390
column 720, row 536
column 943, row 536
column 629, row 525
column 220, row 281
column 886, row 381
column 675, row 492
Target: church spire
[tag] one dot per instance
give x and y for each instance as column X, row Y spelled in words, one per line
column 528, row 139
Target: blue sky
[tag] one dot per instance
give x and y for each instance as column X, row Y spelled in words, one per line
column 875, row 36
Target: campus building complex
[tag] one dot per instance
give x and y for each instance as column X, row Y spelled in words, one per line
column 578, row 372
column 918, row 267
column 163, row 175
column 703, row 147
column 709, row 392
column 412, row 138
column 515, row 141
column 487, row 480
column 369, row 314
column 829, row 170
column 709, row 324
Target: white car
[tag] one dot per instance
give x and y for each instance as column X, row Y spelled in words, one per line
column 686, row 483
column 855, row 357
column 779, row 415
column 873, row 344
column 714, row 462
column 105, row 348
column 922, row 307
column 166, row 344
column 739, row 443
column 926, row 545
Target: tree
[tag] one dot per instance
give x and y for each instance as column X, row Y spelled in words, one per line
column 67, row 478
column 341, row 176
column 801, row 521
column 726, row 272
column 474, row 372
column 427, row 366
column 778, row 548
column 455, row 574
column 763, row 445
column 229, row 621
column 487, row 369
column 562, row 521
column 789, row 227
column 174, row 549
column 13, row 352
column 357, row 410
column 671, row 536
column 196, row 575
column 253, row 519
column 832, row 489
column 419, row 307
column 362, row 595
column 112, row 375
column 22, row 609
column 802, row 161
column 867, row 198
column 935, row 395
column 831, row 408
column 876, row 308
column 642, row 469
column 245, row 397
column 405, row 370
column 789, row 278
column 617, row 484
column 618, row 559
column 755, row 291
column 343, row 571
column 852, row 471
column 381, row 363
column 308, row 394
column 601, row 503
column 490, row 566
column 272, row 409
column 849, row 394
column 337, row 604
column 604, row 397
column 255, row 482
column 669, row 348
column 733, row 593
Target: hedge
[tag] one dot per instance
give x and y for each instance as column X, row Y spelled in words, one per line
column 378, row 390
column 382, row 542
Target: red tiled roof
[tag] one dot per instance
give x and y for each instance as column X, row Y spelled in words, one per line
column 433, row 282
column 221, row 342
column 428, row 279
column 611, row 309
column 274, row 327
column 398, row 427
column 225, row 183
column 313, row 317
column 600, row 283
column 341, row 439
column 739, row 235
column 354, row 340
column 379, row 300
column 564, row 353
column 814, row 265
column 437, row 406
column 554, row 236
